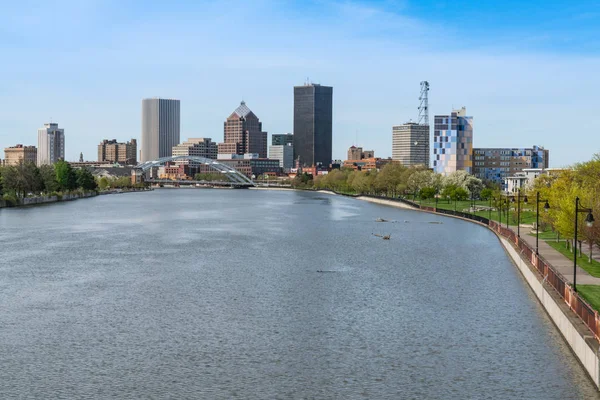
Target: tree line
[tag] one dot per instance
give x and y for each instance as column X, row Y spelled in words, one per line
column 395, row 180
column 26, row 179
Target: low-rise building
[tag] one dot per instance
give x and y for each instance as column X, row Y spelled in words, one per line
column 496, row 164
column 18, row 154
column 368, row 164
column 357, row 153
column 172, row 170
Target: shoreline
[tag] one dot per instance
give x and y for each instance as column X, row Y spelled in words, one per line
column 41, row 200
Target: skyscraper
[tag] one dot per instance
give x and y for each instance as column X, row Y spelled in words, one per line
column 242, row 133
column 51, row 144
column 453, row 142
column 160, row 128
column 410, row 144
column 313, row 109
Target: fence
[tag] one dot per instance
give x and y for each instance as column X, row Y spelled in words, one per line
column 559, row 283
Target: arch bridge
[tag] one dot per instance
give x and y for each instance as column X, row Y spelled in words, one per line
column 235, row 177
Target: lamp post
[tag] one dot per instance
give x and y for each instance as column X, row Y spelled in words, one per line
column 537, row 219
column 436, row 201
column 490, row 209
column 589, row 221
column 507, row 211
column 519, row 212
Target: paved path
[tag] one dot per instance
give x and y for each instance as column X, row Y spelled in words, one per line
column 561, row 263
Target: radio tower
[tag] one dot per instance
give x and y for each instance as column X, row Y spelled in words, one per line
column 424, row 105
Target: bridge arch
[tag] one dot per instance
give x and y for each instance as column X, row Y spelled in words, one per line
column 232, row 174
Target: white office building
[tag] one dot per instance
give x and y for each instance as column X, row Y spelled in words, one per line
column 51, row 144
column 283, row 153
column 410, row 144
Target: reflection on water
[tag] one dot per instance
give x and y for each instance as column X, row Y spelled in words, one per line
column 260, row 294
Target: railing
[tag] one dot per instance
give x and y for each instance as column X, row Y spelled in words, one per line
column 559, row 283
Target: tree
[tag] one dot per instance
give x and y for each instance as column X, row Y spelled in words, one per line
column 22, row 179
column 486, row 193
column 427, row 193
column 48, row 176
column 461, row 194
column 65, row 176
column 85, row 179
column 103, row 183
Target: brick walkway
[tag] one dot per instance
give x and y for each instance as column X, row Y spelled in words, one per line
column 561, row 263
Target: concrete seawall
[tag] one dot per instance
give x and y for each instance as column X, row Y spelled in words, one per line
column 577, row 335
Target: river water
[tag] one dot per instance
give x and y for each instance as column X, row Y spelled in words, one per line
column 204, row 294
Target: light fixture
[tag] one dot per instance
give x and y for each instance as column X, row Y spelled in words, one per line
column 546, row 206
column 589, row 220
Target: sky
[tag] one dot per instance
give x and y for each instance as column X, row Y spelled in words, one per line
column 527, row 73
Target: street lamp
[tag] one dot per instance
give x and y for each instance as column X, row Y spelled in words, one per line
column 507, row 211
column 512, row 200
column 589, row 222
column 537, row 219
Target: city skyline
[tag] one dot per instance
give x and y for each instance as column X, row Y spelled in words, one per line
column 505, row 63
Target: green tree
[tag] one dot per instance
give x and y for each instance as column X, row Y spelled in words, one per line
column 85, row 179
column 65, row 176
column 427, row 193
column 103, row 183
column 48, row 175
column 486, row 193
column 461, row 194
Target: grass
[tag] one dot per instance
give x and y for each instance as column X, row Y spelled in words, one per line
column 592, row 268
column 591, row 294
column 527, row 216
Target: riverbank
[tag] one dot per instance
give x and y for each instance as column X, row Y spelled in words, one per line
column 574, row 319
column 33, row 201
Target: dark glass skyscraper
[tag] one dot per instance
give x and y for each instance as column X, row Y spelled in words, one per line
column 313, row 109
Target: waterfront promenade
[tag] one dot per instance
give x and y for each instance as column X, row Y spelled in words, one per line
column 560, row 263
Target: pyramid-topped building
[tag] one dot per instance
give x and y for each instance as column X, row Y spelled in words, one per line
column 242, row 133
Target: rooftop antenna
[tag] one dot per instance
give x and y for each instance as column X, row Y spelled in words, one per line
column 424, row 104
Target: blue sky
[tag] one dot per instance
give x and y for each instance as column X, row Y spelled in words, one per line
column 528, row 73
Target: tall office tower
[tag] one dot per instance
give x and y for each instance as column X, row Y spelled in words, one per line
column 453, row 142
column 243, row 133
column 51, row 144
column 497, row 164
column 313, row 109
column 410, row 144
column 160, row 128
column 18, row 154
column 115, row 152
column 282, row 139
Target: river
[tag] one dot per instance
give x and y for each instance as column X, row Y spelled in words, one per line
column 200, row 293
